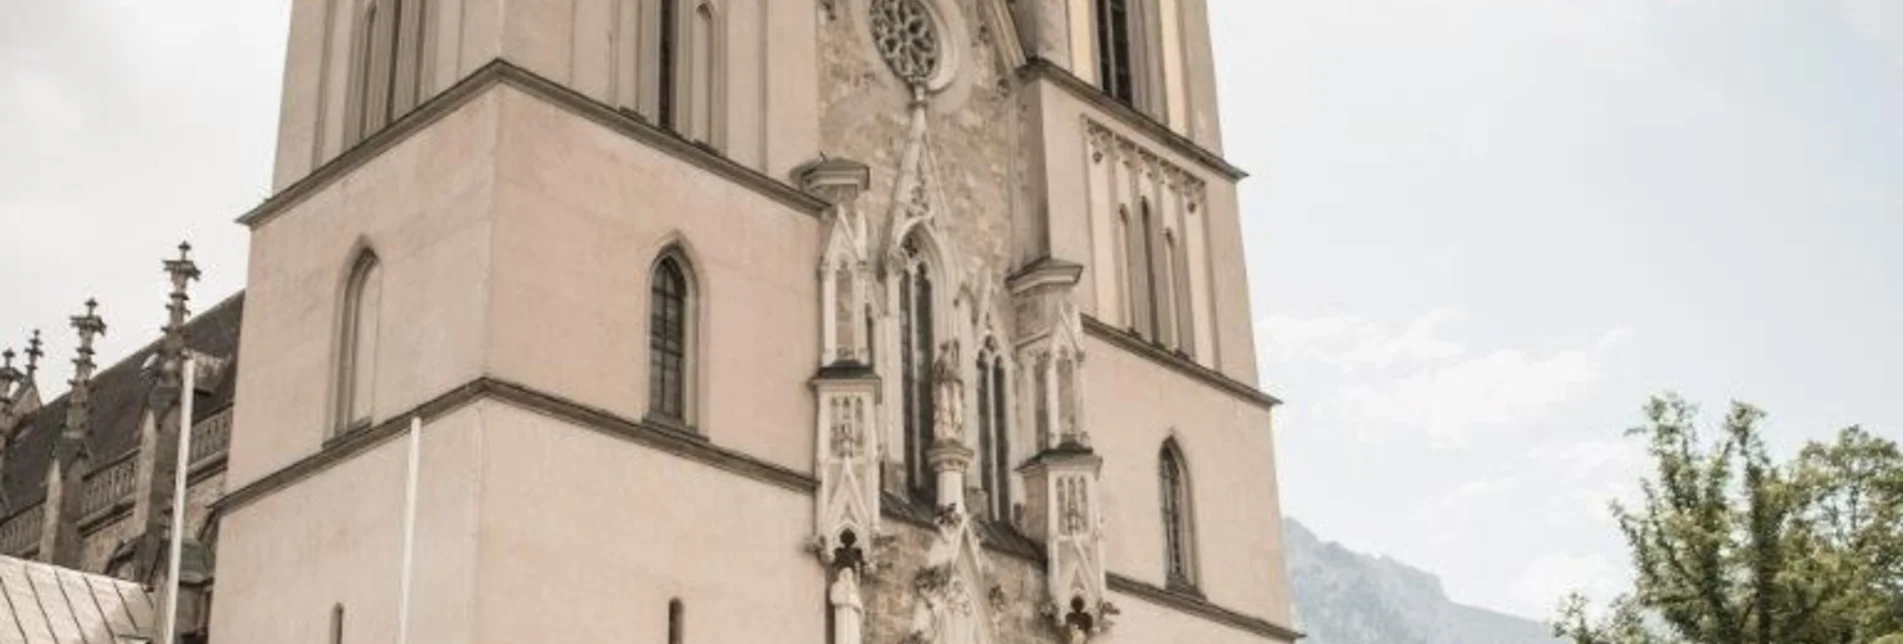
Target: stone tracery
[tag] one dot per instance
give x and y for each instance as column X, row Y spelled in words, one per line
column 907, row 38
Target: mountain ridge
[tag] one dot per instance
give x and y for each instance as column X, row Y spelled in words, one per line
column 1346, row 597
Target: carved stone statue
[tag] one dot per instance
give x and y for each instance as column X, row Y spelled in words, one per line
column 849, row 609
column 950, row 422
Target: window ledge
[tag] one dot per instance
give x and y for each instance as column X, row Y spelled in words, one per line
column 674, row 425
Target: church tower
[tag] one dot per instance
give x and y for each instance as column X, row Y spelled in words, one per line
column 811, row 321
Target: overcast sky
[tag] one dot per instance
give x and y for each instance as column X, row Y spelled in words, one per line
column 1481, row 232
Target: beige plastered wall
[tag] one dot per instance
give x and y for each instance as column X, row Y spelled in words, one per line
column 1078, row 212
column 336, row 538
column 526, row 261
column 1228, row 448
column 582, row 213
column 425, row 207
column 586, row 537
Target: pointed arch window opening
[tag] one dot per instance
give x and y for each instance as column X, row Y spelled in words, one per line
column 1184, row 297
column 1178, row 538
column 1168, row 296
column 389, row 65
column 357, row 346
column 667, row 57
column 1146, row 235
column 669, row 315
column 1126, row 276
column 703, row 75
column 994, row 446
column 916, row 346
column 1114, row 60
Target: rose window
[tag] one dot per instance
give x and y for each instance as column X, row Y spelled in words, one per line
column 907, row 38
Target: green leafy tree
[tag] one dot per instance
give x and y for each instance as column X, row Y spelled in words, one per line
column 1731, row 547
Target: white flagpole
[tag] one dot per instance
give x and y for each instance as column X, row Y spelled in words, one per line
column 178, row 499
column 409, row 530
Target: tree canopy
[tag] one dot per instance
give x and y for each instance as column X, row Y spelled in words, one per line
column 1730, row 546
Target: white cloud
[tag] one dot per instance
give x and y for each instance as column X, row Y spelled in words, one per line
column 1880, row 24
column 1352, row 343
column 1466, row 496
column 1413, row 378
column 1588, row 475
column 1537, row 589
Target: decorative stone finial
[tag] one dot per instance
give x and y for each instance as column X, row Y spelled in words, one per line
column 34, row 352
column 8, row 376
column 183, row 270
column 79, row 400
column 172, row 349
column 90, row 326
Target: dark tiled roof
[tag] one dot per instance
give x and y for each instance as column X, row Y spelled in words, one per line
column 119, row 400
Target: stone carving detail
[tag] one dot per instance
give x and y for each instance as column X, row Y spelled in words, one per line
column 849, row 609
column 1103, row 141
column 848, row 500
column 953, row 600
column 1062, row 507
column 907, row 37
column 1070, row 497
column 950, row 422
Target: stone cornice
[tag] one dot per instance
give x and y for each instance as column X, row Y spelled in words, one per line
column 1099, row 329
column 1038, row 68
column 503, row 72
column 689, row 446
column 1189, row 603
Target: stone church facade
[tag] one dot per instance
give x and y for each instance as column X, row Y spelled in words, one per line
column 726, row 320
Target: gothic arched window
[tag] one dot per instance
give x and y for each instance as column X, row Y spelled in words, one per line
column 916, row 347
column 670, row 337
column 994, row 443
column 1178, row 535
column 1126, row 270
column 357, row 345
column 1185, row 302
column 1114, row 57
column 1143, row 256
column 703, row 75
column 387, row 64
column 682, row 66
column 668, row 58
column 1168, row 296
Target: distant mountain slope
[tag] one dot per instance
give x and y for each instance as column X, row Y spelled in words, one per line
column 1345, row 597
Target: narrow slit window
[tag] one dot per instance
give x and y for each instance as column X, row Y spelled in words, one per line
column 1113, row 50
column 668, row 58
column 676, row 615
column 916, row 346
